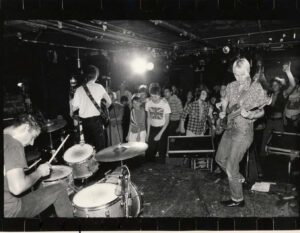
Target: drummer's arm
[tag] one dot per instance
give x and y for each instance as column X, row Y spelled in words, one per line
column 18, row 182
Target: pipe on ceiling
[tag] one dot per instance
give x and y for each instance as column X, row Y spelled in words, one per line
column 119, row 36
column 63, row 45
column 183, row 32
column 252, row 33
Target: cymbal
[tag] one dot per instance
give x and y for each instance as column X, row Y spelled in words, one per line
column 121, row 151
column 53, row 125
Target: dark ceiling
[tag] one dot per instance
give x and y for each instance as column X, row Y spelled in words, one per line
column 165, row 37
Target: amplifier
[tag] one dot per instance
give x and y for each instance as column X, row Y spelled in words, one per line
column 284, row 143
column 192, row 146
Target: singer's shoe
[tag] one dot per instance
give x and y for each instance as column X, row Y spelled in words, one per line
column 231, row 203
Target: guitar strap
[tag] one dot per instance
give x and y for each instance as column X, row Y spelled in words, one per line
column 87, row 91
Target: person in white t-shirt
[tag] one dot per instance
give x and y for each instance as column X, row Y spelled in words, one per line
column 92, row 126
column 158, row 111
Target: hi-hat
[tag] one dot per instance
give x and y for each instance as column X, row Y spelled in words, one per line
column 121, row 151
column 53, row 125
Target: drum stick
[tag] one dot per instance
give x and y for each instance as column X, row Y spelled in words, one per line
column 32, row 165
column 53, row 156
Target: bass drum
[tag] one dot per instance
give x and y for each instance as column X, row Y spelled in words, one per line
column 100, row 200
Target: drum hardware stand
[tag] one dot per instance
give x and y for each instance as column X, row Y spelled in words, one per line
column 126, row 190
column 75, row 189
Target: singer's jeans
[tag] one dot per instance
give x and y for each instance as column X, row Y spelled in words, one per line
column 37, row 201
column 234, row 143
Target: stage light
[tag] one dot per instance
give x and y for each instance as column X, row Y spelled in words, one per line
column 139, row 65
column 294, row 35
column 226, row 49
column 150, row 66
column 20, row 84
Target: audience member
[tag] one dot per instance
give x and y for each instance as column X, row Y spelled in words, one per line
column 199, row 111
column 176, row 110
column 115, row 131
column 143, row 94
column 274, row 112
column 137, row 127
column 123, row 91
column 158, row 111
column 292, row 110
column 126, row 116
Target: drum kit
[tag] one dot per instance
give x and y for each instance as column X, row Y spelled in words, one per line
column 112, row 196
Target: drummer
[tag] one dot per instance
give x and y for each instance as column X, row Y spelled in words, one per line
column 16, row 182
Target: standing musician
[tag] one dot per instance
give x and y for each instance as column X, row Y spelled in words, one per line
column 16, row 202
column 93, row 129
column 238, row 138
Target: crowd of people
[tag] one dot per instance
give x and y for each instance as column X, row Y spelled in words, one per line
column 152, row 113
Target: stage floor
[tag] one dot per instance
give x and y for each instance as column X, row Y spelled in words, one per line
column 172, row 190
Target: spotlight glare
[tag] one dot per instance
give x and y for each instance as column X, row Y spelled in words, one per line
column 20, row 84
column 150, row 66
column 139, row 65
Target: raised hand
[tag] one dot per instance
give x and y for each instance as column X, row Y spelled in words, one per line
column 286, row 67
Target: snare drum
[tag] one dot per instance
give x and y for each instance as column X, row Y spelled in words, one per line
column 81, row 158
column 60, row 175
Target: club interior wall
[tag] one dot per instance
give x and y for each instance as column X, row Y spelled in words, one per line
column 49, row 84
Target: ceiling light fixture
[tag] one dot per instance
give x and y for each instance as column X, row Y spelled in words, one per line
column 226, row 49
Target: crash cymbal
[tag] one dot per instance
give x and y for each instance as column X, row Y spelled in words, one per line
column 121, row 151
column 54, row 125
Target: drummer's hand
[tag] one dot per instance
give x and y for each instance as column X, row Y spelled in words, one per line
column 44, row 169
column 157, row 137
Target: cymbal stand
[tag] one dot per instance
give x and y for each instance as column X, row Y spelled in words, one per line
column 127, row 195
